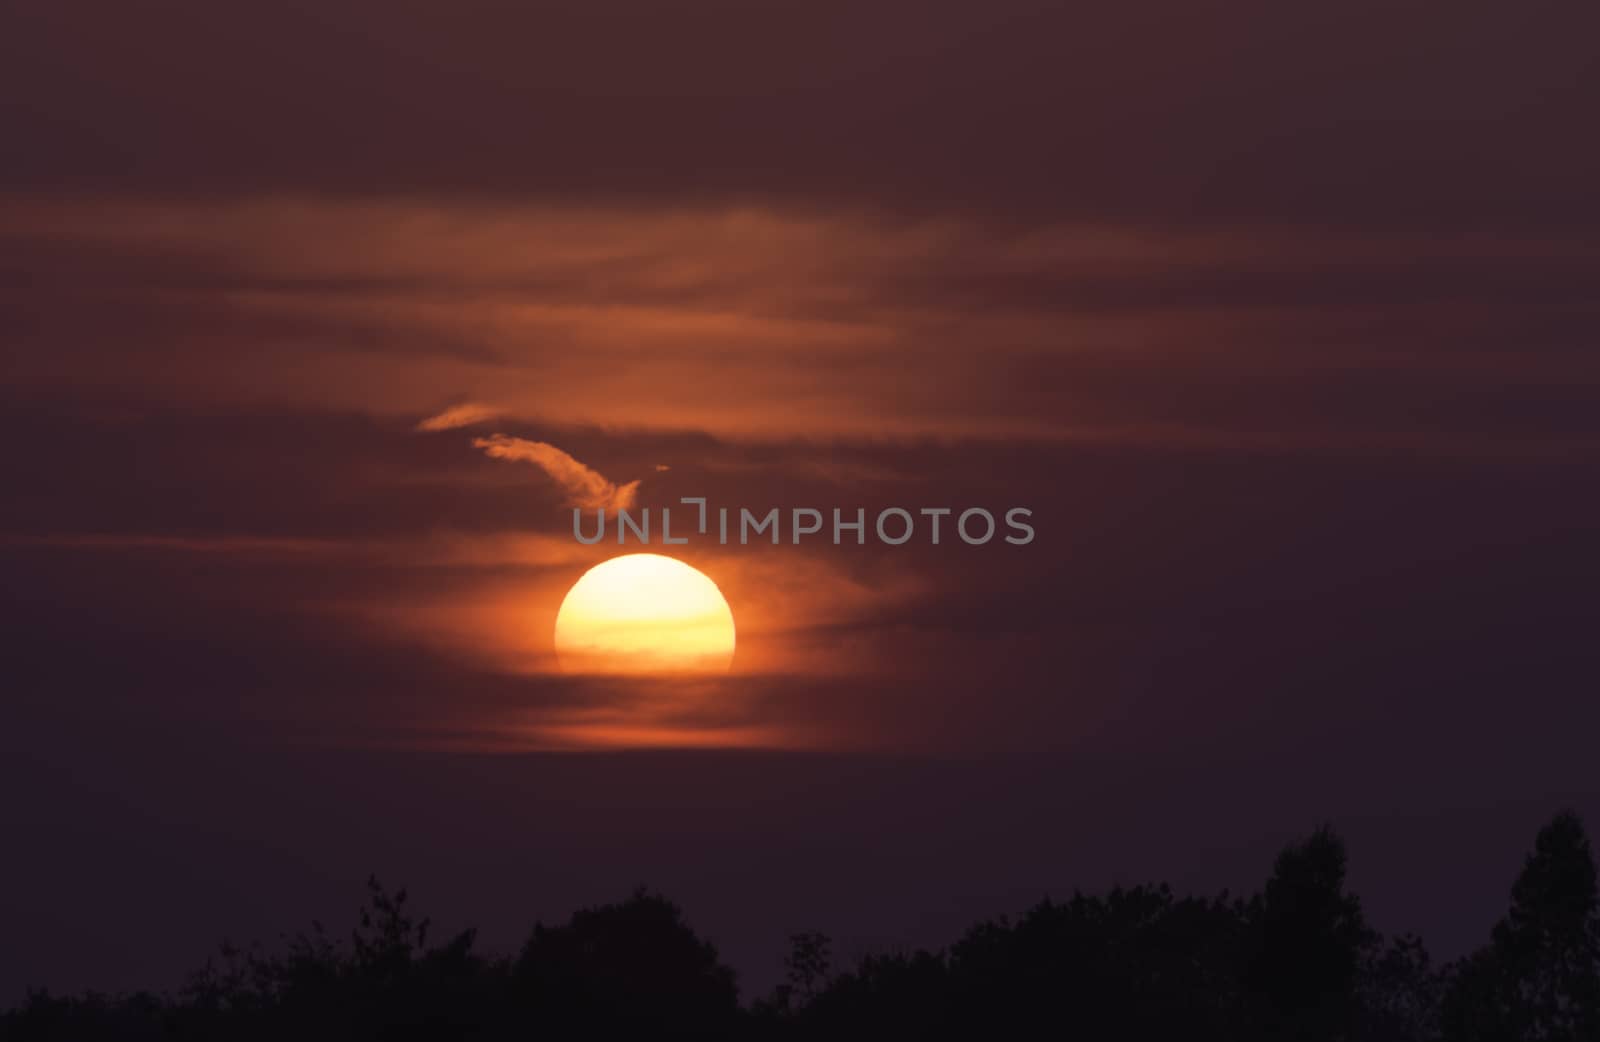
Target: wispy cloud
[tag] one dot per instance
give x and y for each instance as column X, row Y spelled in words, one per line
column 464, row 415
column 584, row 486
column 218, row 544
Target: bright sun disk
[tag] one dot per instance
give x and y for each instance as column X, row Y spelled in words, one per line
column 644, row 613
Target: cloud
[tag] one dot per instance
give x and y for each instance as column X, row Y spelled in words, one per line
column 464, row 415
column 1233, row 337
column 583, row 486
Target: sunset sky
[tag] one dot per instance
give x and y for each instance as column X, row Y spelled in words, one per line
column 1281, row 318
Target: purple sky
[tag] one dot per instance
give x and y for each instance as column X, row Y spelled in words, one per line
column 1280, row 319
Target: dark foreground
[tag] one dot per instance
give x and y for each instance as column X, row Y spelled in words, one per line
column 1295, row 962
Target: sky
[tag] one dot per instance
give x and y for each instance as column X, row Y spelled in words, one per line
column 1279, row 318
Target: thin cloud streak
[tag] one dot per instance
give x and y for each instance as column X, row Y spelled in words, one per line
column 467, row 414
column 583, row 486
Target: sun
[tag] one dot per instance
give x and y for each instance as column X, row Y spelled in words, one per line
column 644, row 613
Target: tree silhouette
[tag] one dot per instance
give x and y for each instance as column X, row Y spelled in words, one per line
column 1539, row 978
column 1295, row 962
column 1309, row 938
column 385, row 984
column 1399, row 993
column 634, row 967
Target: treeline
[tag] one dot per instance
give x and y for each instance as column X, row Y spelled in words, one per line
column 1295, row 962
